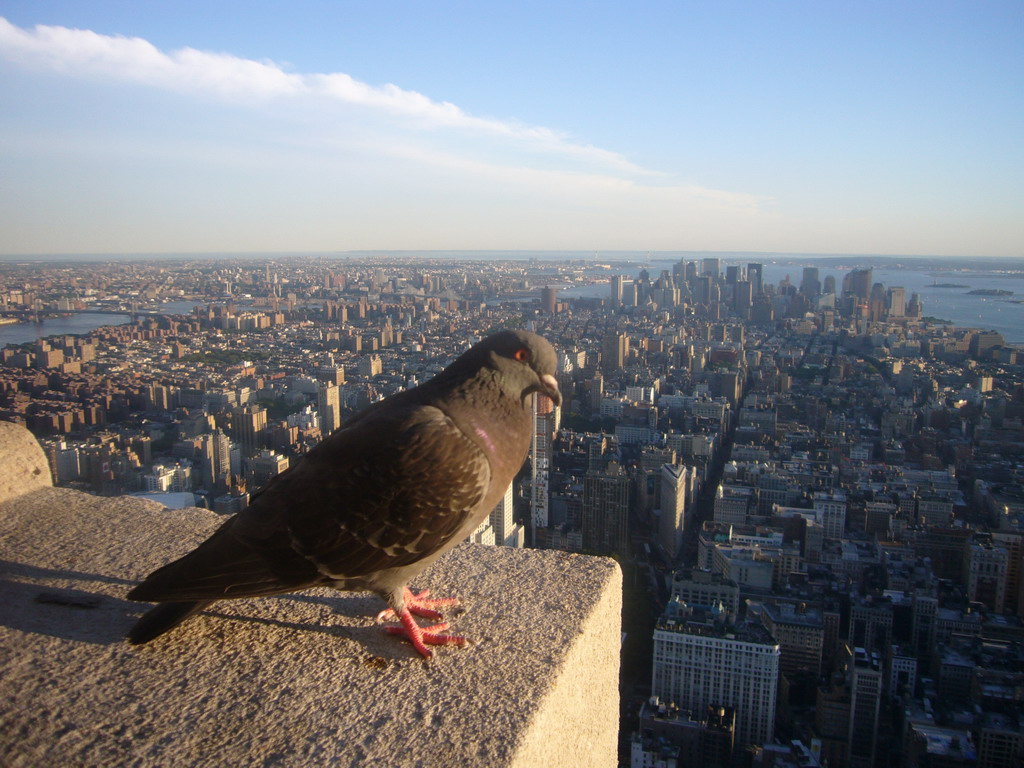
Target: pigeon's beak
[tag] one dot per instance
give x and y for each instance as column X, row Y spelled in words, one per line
column 549, row 386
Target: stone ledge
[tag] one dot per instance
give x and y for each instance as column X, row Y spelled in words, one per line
column 23, row 465
column 302, row 679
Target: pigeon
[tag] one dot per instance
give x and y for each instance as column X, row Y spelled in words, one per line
column 378, row 500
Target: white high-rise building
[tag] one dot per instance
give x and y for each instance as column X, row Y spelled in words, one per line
column 546, row 420
column 702, row 660
column 831, row 511
column 174, row 477
column 674, row 481
column 500, row 527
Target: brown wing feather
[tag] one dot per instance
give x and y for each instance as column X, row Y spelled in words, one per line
column 398, row 488
column 385, row 492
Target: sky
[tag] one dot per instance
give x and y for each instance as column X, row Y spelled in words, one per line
column 785, row 127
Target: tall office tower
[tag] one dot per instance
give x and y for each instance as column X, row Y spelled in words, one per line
column 743, row 298
column 215, row 460
column 701, row 659
column 606, row 510
column 732, row 274
column 328, row 407
column 679, row 272
column 506, row 532
column 616, row 286
column 829, row 285
column 499, row 528
column 702, row 289
column 248, row 424
column 711, row 267
column 896, row 301
column 810, row 285
column 755, row 276
column 629, row 293
column 690, row 273
column 858, row 282
column 674, row 488
column 549, row 299
column 642, row 286
column 714, row 295
column 546, row 420
column 915, row 308
column 865, row 694
column 614, row 350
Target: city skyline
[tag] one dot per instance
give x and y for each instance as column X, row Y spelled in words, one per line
column 806, row 129
column 812, row 487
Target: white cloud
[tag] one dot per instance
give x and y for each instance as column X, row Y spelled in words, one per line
column 83, row 53
column 508, row 184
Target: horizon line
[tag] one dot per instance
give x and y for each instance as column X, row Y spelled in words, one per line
column 574, row 254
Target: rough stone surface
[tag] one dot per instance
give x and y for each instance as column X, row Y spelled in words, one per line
column 297, row 680
column 23, row 465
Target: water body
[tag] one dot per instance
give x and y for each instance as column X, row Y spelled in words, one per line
column 1002, row 314
column 24, row 333
column 999, row 313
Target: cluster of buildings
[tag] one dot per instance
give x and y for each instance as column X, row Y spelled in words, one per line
column 816, row 492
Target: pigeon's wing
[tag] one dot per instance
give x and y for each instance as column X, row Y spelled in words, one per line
column 392, row 489
column 226, row 565
column 383, row 493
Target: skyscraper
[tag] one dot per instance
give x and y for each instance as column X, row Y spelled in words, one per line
column 606, row 510
column 897, row 301
column 248, row 424
column 810, row 285
column 858, row 282
column 215, row 459
column 506, row 532
column 549, row 299
column 754, row 275
column 616, row 287
column 328, row 406
column 674, row 482
column 865, row 693
column 546, row 418
column 614, row 349
column 743, row 298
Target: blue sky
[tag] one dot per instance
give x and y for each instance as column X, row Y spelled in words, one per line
column 791, row 127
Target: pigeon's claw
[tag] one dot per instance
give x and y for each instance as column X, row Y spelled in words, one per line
column 419, row 605
column 421, row 638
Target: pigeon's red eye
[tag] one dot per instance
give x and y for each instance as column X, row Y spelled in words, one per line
column 522, row 354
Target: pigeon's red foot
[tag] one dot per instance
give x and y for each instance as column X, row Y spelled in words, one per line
column 419, row 605
column 421, row 638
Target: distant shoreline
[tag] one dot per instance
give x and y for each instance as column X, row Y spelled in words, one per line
column 888, row 261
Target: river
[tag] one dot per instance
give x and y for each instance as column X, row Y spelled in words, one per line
column 22, row 333
column 1004, row 314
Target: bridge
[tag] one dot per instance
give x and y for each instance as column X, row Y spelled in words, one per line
column 36, row 315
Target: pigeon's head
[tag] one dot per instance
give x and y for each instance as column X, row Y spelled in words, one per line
column 525, row 362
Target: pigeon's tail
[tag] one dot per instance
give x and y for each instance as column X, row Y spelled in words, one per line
column 163, row 617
